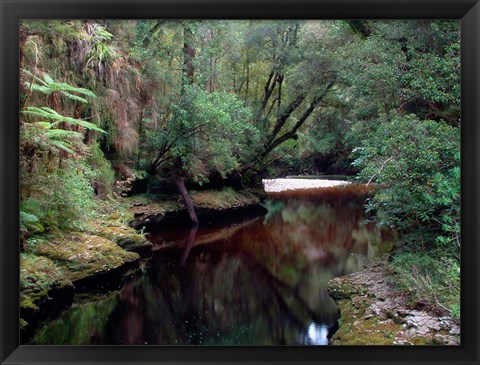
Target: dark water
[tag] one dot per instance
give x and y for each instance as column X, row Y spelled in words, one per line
column 259, row 282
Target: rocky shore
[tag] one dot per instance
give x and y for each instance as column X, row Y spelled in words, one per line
column 373, row 313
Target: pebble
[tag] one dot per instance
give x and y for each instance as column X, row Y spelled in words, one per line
column 455, row 331
column 411, row 324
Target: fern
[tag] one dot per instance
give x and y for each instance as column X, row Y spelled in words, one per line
column 30, row 222
column 48, row 113
column 62, row 134
column 61, row 145
column 48, row 86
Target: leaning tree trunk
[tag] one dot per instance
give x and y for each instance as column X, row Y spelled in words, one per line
column 180, row 183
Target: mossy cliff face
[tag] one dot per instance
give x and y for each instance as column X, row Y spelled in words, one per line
column 372, row 313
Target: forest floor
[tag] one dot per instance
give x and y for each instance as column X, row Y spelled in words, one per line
column 372, row 312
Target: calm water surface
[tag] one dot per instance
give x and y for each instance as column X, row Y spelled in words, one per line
column 259, row 282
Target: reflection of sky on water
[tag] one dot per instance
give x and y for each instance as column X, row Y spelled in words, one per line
column 316, row 334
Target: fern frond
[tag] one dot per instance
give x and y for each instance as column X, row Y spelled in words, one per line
column 47, row 125
column 48, row 78
column 78, row 90
column 46, row 112
column 61, row 145
column 42, row 89
column 30, row 222
column 35, row 77
column 84, row 124
column 75, row 97
column 62, row 134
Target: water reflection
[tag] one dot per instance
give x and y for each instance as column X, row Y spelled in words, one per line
column 316, row 335
column 262, row 282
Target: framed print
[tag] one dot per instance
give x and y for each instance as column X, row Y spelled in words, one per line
column 239, row 182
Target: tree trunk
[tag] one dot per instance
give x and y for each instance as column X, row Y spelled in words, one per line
column 180, row 183
column 188, row 56
column 23, row 41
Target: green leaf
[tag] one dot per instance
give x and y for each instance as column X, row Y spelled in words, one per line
column 61, row 145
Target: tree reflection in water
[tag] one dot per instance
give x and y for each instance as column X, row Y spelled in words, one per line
column 259, row 283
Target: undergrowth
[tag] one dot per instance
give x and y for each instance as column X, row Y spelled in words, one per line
column 428, row 281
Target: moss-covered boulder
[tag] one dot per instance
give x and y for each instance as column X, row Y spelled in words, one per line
column 43, row 288
column 124, row 236
column 81, row 255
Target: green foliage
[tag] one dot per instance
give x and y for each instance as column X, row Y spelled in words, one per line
column 208, row 132
column 103, row 175
column 429, row 280
column 55, row 190
column 416, row 162
column 29, row 223
column 100, row 50
column 62, row 199
column 47, row 85
column 50, row 114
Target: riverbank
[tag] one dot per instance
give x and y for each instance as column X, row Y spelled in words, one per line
column 57, row 266
column 372, row 312
column 148, row 210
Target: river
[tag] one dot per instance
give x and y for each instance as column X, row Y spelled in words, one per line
column 260, row 281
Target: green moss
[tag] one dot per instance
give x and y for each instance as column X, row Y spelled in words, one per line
column 27, row 303
column 339, row 290
column 38, row 274
column 124, row 236
column 355, row 330
column 82, row 254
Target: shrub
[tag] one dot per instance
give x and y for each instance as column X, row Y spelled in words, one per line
column 417, row 164
column 429, row 280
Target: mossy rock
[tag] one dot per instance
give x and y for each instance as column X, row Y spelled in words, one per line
column 354, row 330
column 134, row 243
column 81, row 255
column 39, row 275
column 124, row 236
column 339, row 289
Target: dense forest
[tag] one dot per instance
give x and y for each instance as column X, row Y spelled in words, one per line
column 112, row 108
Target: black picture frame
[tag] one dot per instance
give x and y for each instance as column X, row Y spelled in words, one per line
column 11, row 11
